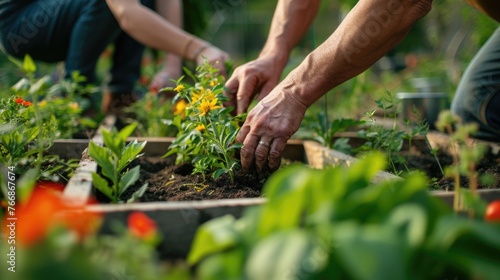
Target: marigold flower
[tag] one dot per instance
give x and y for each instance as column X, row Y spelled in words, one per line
column 200, row 127
column 179, row 88
column 207, row 106
column 180, row 107
column 42, row 212
column 141, row 226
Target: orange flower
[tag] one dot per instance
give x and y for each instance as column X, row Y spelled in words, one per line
column 19, row 100
column 36, row 216
column 141, row 226
column 27, row 103
column 45, row 210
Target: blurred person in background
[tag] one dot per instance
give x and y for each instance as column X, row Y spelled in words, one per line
column 78, row 31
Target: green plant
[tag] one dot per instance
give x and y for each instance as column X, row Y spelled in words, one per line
column 335, row 224
column 154, row 113
column 113, row 159
column 324, row 130
column 206, row 129
column 465, row 153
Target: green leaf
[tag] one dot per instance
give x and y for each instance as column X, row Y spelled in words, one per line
column 104, row 159
column 287, row 193
column 285, row 255
column 371, row 251
column 113, row 143
column 40, row 85
column 127, row 131
column 102, row 185
column 29, row 65
column 138, row 194
column 214, row 236
column 129, row 178
column 129, row 153
column 26, row 184
column 218, row 172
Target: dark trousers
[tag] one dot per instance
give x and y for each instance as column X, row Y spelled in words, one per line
column 477, row 99
column 76, row 32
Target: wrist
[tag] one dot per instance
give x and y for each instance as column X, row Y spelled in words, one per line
column 278, row 56
column 195, row 48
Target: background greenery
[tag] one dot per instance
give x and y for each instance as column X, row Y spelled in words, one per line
column 443, row 43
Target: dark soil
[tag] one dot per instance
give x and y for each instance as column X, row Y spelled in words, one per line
column 168, row 182
column 489, row 164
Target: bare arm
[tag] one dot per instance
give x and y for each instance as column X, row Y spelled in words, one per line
column 371, row 29
column 291, row 21
column 151, row 29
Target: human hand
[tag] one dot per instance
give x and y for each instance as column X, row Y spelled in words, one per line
column 215, row 56
column 268, row 127
column 258, row 76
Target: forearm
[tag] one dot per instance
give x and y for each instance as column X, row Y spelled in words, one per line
column 370, row 30
column 152, row 30
column 291, row 20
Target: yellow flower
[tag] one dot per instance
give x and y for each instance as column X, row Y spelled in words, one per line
column 214, row 82
column 207, row 106
column 180, row 107
column 200, row 127
column 205, row 94
column 73, row 105
column 42, row 103
column 179, row 88
column 196, row 96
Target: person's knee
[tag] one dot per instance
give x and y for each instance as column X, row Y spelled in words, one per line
column 492, row 112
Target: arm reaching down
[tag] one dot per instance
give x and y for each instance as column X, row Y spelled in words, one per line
column 291, row 21
column 370, row 30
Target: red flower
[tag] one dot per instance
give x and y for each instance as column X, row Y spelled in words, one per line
column 19, row 100
column 43, row 211
column 141, row 226
column 36, row 216
column 27, row 103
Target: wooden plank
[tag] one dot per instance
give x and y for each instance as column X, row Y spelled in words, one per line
column 319, row 157
column 79, row 187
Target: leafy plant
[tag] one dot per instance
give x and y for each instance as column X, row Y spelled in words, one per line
column 113, row 160
column 153, row 113
column 324, row 130
column 465, row 153
column 206, row 129
column 334, row 223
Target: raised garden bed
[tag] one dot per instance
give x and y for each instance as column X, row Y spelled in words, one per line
column 178, row 220
column 325, row 156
